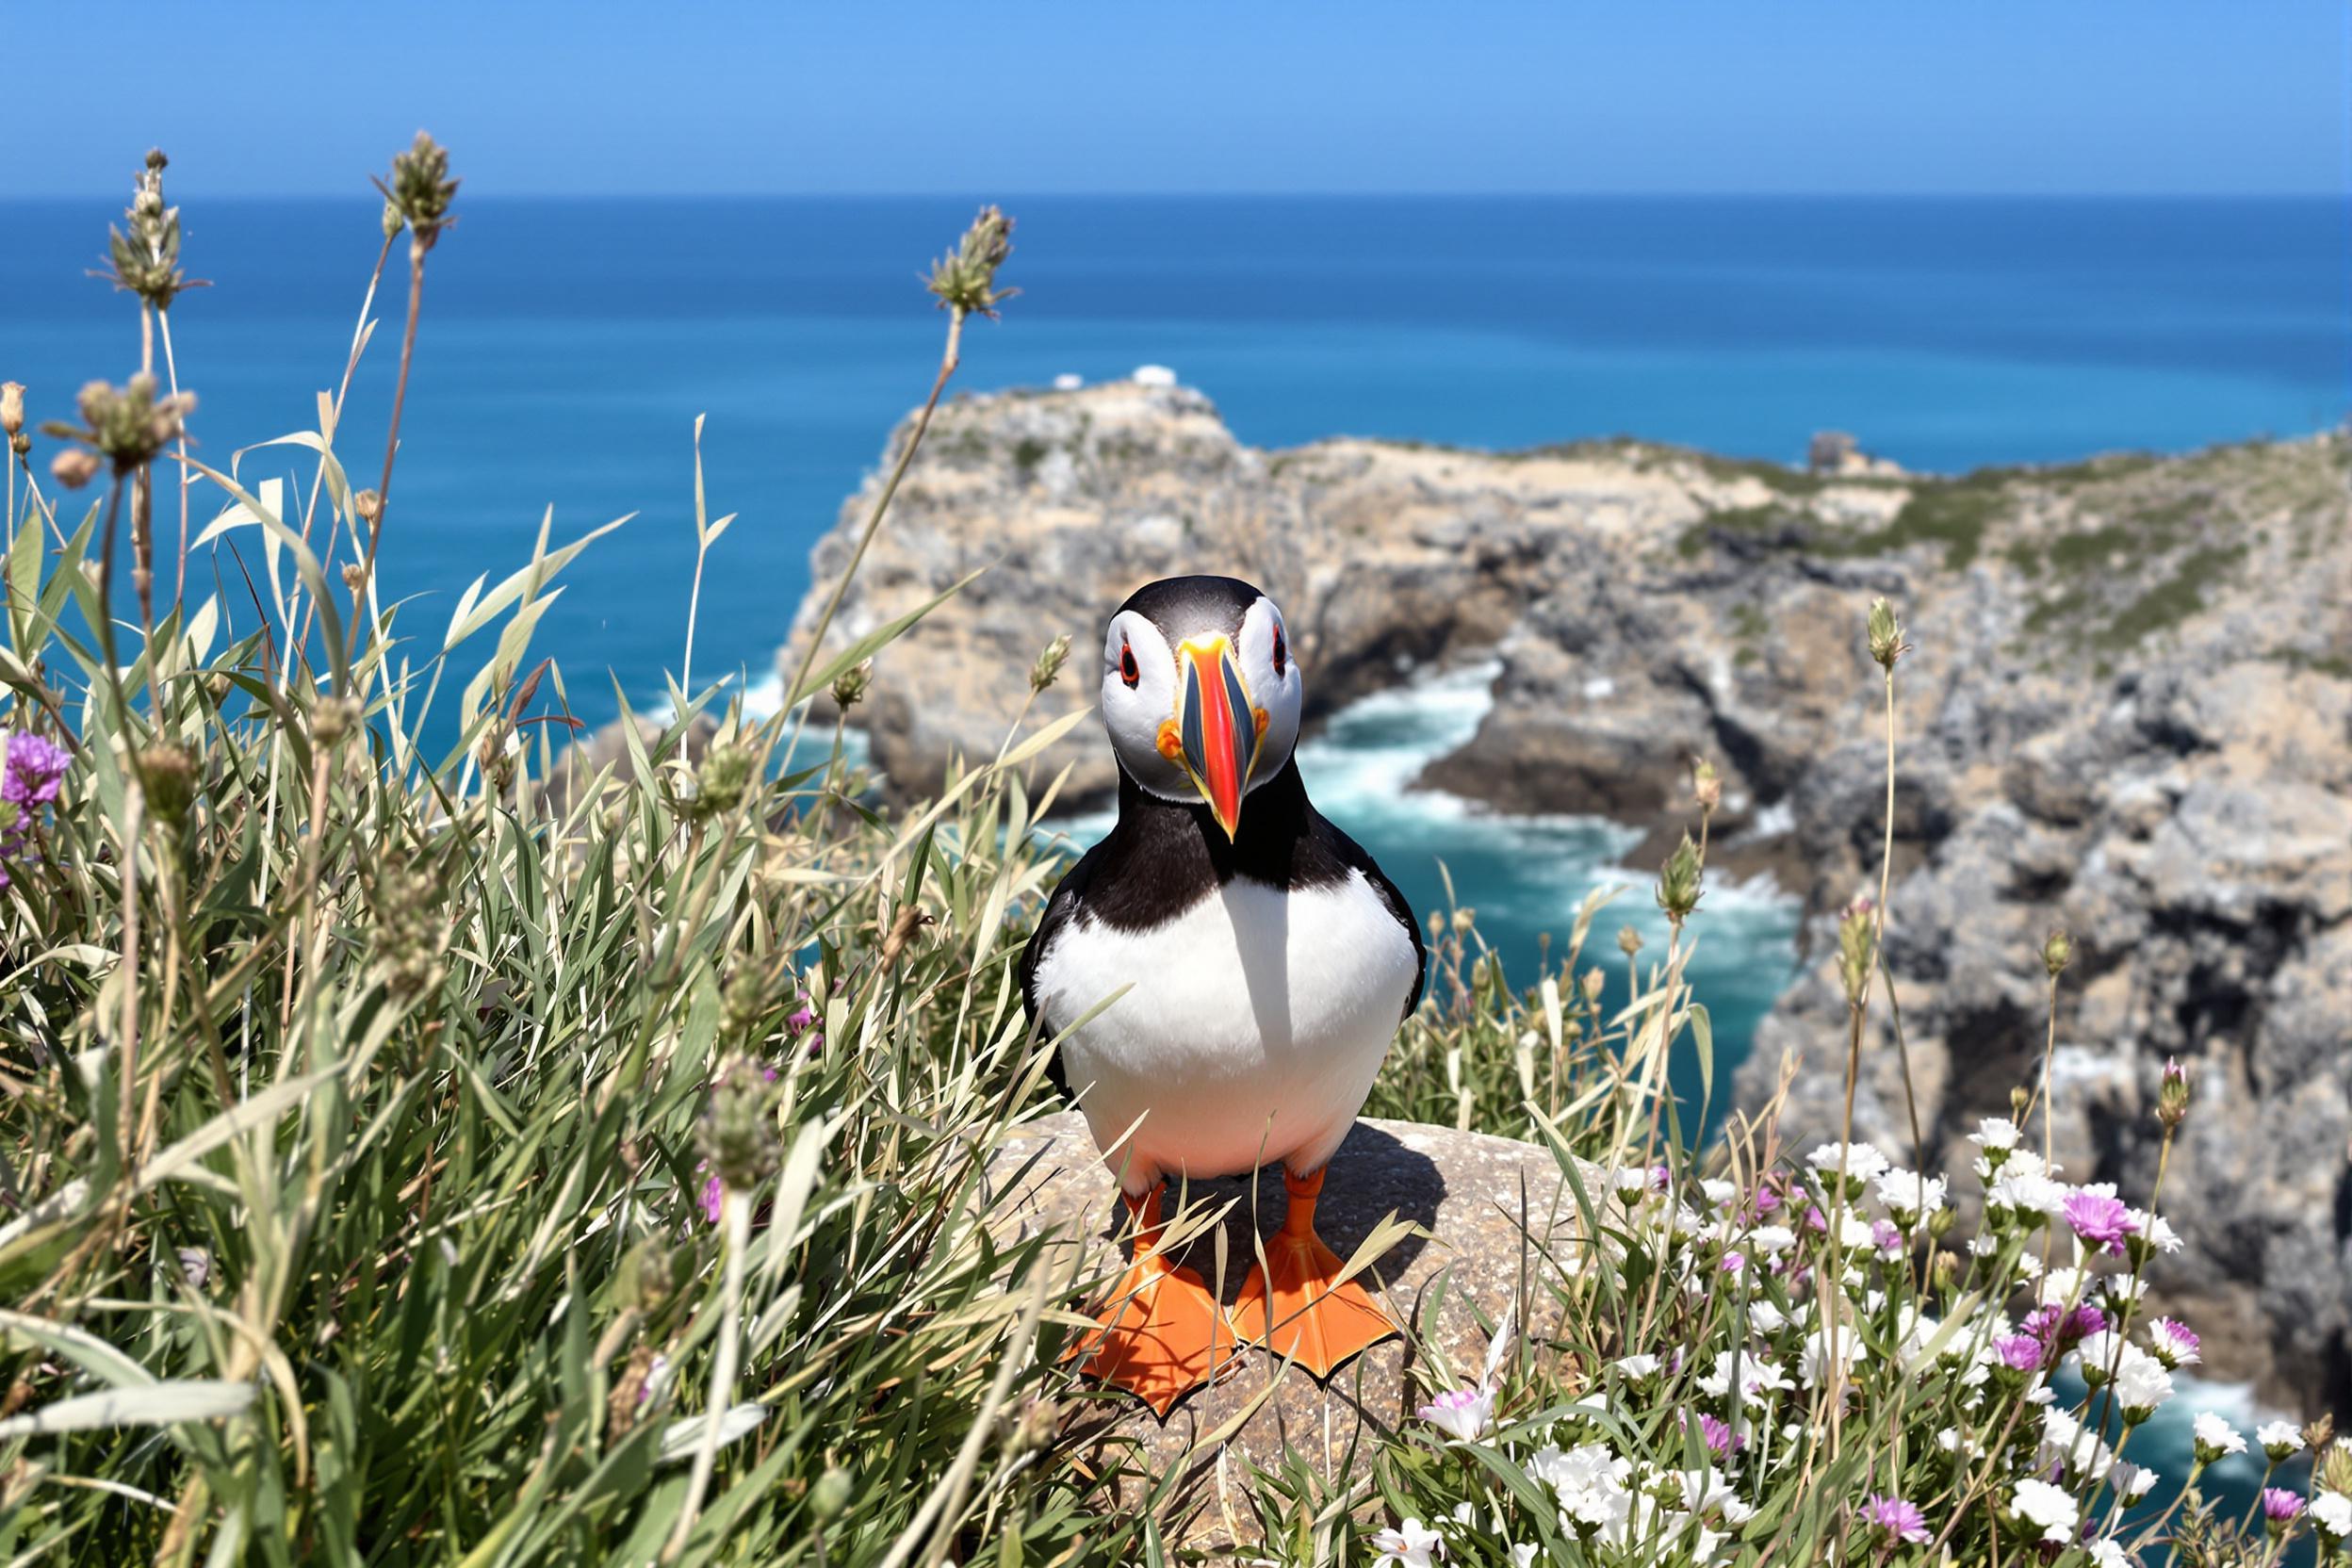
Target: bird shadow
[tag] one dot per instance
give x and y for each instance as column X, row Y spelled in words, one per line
column 1373, row 1175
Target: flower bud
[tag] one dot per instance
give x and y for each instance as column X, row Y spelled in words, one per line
column 1464, row 921
column 1706, row 785
column 11, row 406
column 1678, row 881
column 167, row 776
column 73, row 467
column 1049, row 663
column 645, row 1280
column 1886, row 635
column 720, row 782
column 1945, row 1272
column 1594, row 979
column 2172, row 1095
column 849, row 687
column 1857, row 949
column 369, row 505
column 333, row 718
column 829, row 1498
column 354, row 575
column 419, row 193
column 743, row 1004
column 2057, row 952
column 1628, row 940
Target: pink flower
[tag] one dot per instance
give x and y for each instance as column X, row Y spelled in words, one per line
column 2280, row 1506
column 1718, row 1436
column 2020, row 1352
column 1463, row 1412
column 1902, row 1521
column 2100, row 1219
column 711, row 1194
column 1735, row 1262
column 1886, row 1237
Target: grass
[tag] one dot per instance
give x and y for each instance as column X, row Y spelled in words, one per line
column 407, row 1164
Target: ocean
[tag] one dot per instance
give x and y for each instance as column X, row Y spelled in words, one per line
column 567, row 347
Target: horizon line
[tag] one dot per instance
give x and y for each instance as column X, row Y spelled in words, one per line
column 199, row 193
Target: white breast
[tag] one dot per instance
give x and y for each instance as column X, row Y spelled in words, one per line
column 1250, row 1031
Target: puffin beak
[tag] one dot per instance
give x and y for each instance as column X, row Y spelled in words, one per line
column 1218, row 727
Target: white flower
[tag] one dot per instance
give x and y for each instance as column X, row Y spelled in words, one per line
column 1907, row 1192
column 2215, row 1438
column 1995, row 1132
column 1757, row 1376
column 1863, row 1161
column 2048, row 1507
column 1813, row 1364
column 1771, row 1240
column 1412, row 1545
column 1522, row 1556
column 1464, row 1413
column 2023, row 1192
column 2332, row 1512
column 1637, row 1368
column 2141, row 1384
column 1765, row 1317
column 2062, row 1285
column 1590, row 1483
column 2131, row 1481
column 1719, row 1192
column 2171, row 1348
column 2153, row 1230
column 2107, row 1552
column 1983, row 1245
column 2067, row 1442
column 2279, row 1439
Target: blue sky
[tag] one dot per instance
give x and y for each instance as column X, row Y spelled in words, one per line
column 706, row 96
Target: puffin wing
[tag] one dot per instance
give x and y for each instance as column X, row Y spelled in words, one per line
column 1353, row 855
column 1060, row 910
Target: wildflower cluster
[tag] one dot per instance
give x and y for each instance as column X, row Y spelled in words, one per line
column 1728, row 1342
column 32, row 770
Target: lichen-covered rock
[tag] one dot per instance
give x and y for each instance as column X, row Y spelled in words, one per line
column 1487, row 1204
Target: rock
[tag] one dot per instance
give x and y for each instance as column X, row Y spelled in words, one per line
column 2128, row 713
column 1478, row 1197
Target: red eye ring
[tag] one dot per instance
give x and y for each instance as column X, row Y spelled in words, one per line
column 1127, row 670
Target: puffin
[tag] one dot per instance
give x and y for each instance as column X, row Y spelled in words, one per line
column 1256, row 963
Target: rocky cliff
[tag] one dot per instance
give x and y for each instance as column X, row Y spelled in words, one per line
column 2128, row 713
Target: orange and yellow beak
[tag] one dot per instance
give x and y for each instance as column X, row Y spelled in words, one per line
column 1214, row 736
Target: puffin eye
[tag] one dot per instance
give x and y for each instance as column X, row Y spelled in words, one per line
column 1281, row 654
column 1127, row 670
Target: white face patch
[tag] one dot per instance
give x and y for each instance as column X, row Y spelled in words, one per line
column 1133, row 713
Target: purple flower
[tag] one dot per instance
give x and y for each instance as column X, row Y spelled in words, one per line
column 1464, row 1412
column 1718, row 1436
column 1886, row 1237
column 1735, row 1262
column 34, row 770
column 2020, row 1352
column 2280, row 1506
column 1902, row 1521
column 2100, row 1219
column 711, row 1192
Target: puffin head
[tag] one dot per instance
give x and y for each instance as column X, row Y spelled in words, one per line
column 1201, row 692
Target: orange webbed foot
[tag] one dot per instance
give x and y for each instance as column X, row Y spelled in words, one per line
column 1296, row 1304
column 1161, row 1334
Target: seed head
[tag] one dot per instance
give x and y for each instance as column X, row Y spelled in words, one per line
column 1049, row 663
column 73, row 467
column 1465, row 920
column 128, row 425
column 966, row 281
column 409, row 934
column 646, row 1278
column 745, row 1004
column 1594, row 979
column 369, row 505
column 738, row 1135
column 851, row 685
column 145, row 260
column 1678, row 881
column 1628, row 940
column 333, row 718
column 11, row 406
column 354, row 575
column 419, row 196
column 720, row 782
column 1886, row 633
column 2057, row 952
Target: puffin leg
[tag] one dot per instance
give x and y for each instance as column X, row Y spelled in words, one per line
column 1161, row 1329
column 1295, row 1302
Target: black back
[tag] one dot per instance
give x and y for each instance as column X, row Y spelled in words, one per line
column 1166, row 856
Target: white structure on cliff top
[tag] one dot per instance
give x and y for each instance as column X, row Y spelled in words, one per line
column 1153, row 375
